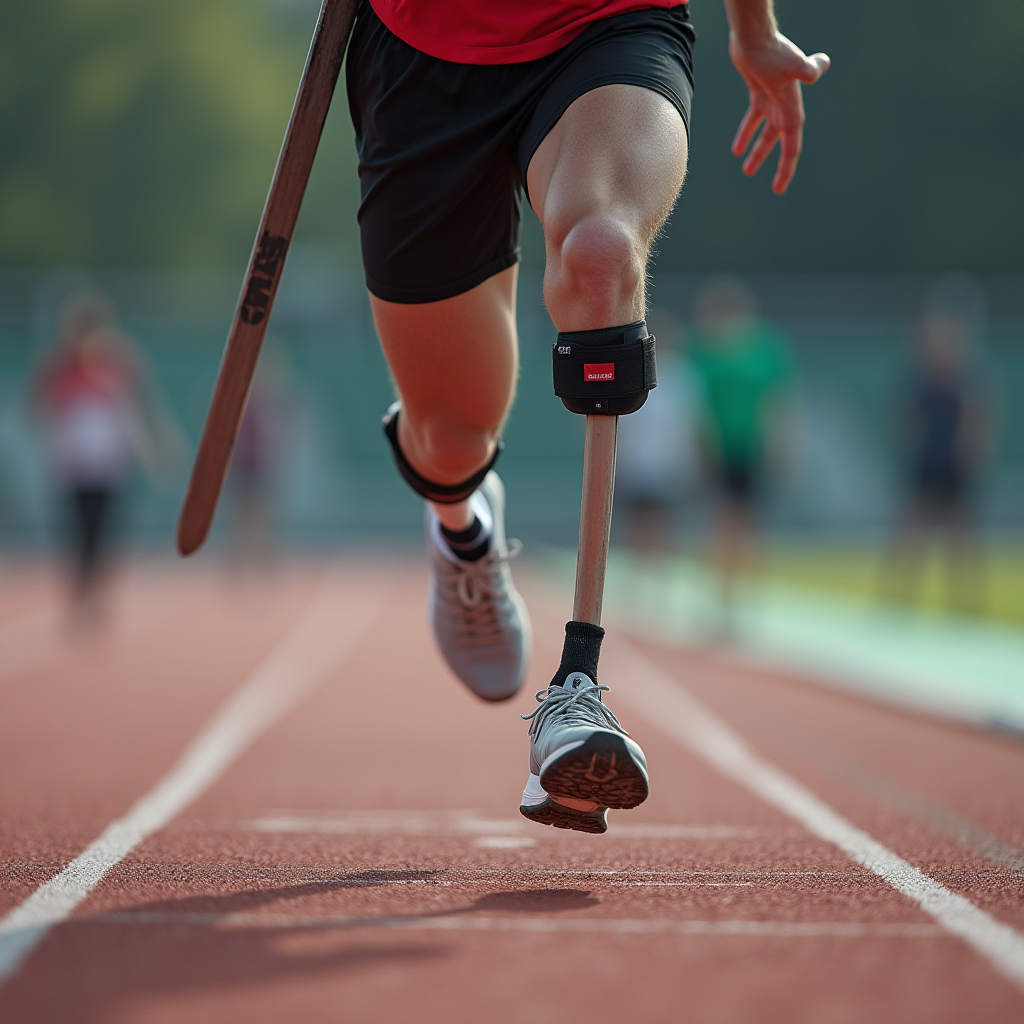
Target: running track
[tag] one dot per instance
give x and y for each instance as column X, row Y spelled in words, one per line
column 260, row 798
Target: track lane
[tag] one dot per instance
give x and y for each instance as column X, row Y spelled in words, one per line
column 948, row 797
column 27, row 587
column 50, row 636
column 669, row 706
column 80, row 743
column 394, row 796
column 310, row 650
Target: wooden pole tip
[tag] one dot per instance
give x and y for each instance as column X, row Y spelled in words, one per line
column 190, row 537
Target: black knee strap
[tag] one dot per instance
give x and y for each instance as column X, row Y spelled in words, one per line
column 442, row 494
column 606, row 372
column 580, row 651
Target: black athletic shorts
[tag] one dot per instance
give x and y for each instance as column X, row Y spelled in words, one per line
column 444, row 147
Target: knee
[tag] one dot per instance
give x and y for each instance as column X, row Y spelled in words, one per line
column 599, row 260
column 444, row 449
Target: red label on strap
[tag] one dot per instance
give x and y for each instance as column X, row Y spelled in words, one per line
column 598, row 371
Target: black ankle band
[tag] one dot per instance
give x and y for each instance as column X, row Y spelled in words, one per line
column 606, row 372
column 442, row 494
column 580, row 651
column 470, row 544
column 466, row 536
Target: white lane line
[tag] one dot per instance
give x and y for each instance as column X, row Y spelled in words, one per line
column 585, row 872
column 454, row 823
column 710, row 832
column 472, row 923
column 691, row 885
column 505, row 842
column 324, row 635
column 666, row 704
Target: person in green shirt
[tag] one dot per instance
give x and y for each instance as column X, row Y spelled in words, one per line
column 744, row 372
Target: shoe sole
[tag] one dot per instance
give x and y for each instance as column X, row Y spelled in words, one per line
column 559, row 816
column 602, row 769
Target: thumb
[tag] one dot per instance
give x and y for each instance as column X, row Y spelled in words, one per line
column 814, row 67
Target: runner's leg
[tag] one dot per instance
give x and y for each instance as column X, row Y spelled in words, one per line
column 602, row 183
column 455, row 364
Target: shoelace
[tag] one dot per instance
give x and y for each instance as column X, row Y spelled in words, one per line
column 479, row 589
column 582, row 704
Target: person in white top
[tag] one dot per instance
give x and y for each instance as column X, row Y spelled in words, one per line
column 99, row 425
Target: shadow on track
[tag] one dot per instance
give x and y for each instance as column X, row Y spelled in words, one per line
column 173, row 947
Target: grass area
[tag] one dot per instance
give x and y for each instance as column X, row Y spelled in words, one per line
column 815, row 610
column 993, row 588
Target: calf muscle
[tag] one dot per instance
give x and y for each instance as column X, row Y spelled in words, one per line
column 454, row 364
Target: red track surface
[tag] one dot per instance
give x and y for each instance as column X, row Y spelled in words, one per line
column 364, row 860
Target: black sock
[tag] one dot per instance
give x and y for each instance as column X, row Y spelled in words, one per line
column 468, row 544
column 580, row 651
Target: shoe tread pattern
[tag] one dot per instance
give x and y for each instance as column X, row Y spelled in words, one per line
column 559, row 816
column 602, row 769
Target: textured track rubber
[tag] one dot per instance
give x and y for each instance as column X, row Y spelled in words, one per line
column 553, row 813
column 602, row 769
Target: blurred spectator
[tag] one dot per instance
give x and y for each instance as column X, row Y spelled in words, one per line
column 744, row 371
column 943, row 435
column 101, row 418
column 657, row 460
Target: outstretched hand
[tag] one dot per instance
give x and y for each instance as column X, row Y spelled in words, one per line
column 773, row 71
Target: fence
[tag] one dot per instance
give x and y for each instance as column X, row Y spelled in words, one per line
column 850, row 334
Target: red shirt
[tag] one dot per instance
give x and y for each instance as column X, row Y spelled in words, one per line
column 98, row 372
column 498, row 31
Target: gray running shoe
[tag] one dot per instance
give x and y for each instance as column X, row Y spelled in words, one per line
column 581, row 759
column 480, row 622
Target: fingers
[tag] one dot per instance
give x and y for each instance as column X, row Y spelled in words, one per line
column 776, row 107
column 790, row 147
column 814, row 67
column 745, row 133
column 760, row 150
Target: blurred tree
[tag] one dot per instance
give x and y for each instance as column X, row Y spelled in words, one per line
column 141, row 132
column 146, row 133
column 913, row 153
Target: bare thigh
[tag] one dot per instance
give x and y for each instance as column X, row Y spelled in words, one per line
column 602, row 183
